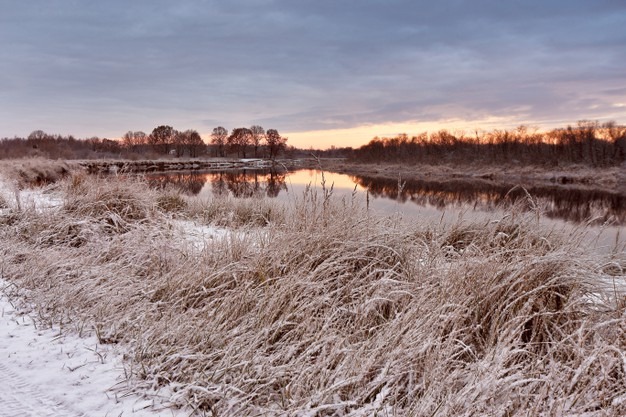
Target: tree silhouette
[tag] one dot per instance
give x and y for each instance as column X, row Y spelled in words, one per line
column 218, row 138
column 178, row 142
column 257, row 135
column 132, row 140
column 161, row 138
column 239, row 140
column 188, row 141
column 275, row 143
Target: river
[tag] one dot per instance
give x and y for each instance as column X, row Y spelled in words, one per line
column 603, row 213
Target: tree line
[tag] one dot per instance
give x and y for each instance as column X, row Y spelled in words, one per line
column 163, row 140
column 241, row 141
column 588, row 142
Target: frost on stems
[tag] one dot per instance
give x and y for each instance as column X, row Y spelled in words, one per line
column 325, row 309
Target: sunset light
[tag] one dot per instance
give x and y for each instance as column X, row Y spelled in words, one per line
column 359, row 135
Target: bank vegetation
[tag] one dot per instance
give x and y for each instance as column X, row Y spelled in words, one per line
column 588, row 142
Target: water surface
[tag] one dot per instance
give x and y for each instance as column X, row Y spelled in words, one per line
column 416, row 199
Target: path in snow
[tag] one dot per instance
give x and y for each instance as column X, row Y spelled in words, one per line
column 20, row 399
column 44, row 373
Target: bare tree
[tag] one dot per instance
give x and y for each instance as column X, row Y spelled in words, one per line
column 218, row 138
column 275, row 143
column 257, row 135
column 38, row 135
column 240, row 139
column 193, row 142
column 140, row 138
column 132, row 139
column 161, row 138
column 178, row 140
column 128, row 140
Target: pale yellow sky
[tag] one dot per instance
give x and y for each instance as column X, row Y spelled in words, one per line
column 357, row 136
column 361, row 135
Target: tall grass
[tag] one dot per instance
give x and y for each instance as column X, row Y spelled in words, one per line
column 35, row 171
column 319, row 308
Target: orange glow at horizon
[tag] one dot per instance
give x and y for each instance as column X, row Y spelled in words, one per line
column 361, row 135
column 314, row 178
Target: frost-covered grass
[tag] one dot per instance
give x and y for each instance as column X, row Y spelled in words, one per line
column 30, row 172
column 318, row 307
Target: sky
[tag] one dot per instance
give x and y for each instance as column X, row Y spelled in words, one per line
column 322, row 72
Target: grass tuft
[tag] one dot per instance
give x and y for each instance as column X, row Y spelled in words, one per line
column 232, row 212
column 35, row 172
column 171, row 201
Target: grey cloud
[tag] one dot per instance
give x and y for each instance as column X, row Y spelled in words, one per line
column 307, row 64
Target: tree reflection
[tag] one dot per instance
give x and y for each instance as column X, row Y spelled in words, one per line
column 237, row 183
column 577, row 205
column 219, row 187
column 275, row 183
column 189, row 183
column 572, row 204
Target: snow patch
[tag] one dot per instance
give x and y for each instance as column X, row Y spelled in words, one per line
column 40, row 198
column 197, row 235
column 48, row 372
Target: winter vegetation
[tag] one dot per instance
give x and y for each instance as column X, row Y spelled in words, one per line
column 317, row 307
column 163, row 141
column 589, row 143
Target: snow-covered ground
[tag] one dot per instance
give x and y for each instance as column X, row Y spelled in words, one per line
column 45, row 372
column 197, row 235
column 29, row 198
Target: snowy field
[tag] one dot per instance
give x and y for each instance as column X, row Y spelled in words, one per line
column 53, row 373
column 46, row 372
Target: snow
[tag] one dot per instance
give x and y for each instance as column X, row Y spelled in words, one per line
column 30, row 198
column 46, row 372
column 197, row 235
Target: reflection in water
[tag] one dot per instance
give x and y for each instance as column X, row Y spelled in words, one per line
column 578, row 205
column 238, row 183
column 253, row 183
column 188, row 183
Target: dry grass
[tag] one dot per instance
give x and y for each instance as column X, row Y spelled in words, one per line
column 233, row 212
column 319, row 309
column 34, row 172
column 577, row 176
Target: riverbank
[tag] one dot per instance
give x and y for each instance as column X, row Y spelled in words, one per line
column 318, row 307
column 611, row 179
column 170, row 165
column 38, row 171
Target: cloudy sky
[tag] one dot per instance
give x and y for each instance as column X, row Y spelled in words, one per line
column 323, row 72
